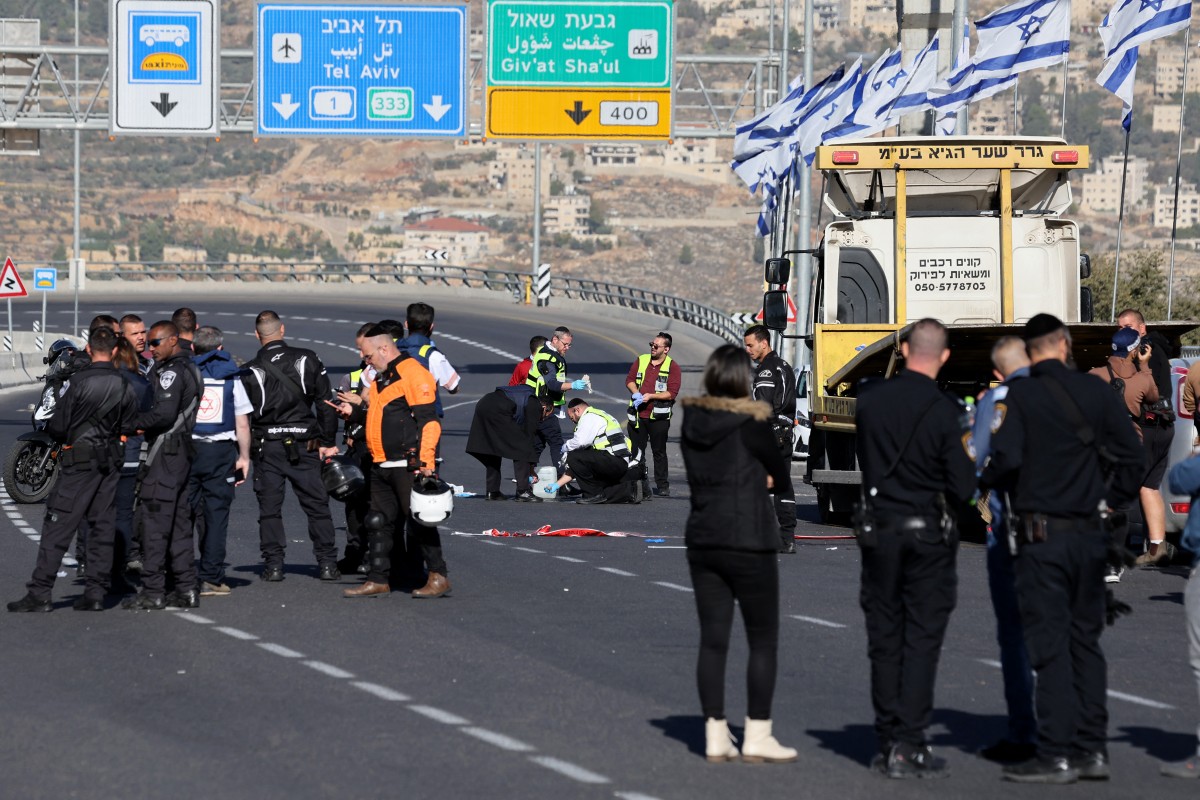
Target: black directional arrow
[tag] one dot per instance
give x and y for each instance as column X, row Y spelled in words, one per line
column 10, row 284
column 579, row 113
column 164, row 104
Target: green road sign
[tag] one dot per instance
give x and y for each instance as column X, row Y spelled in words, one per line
column 583, row 43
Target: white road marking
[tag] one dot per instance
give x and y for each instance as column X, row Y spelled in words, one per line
column 568, row 769
column 817, row 621
column 190, row 617
column 499, row 740
column 280, row 650
column 675, row 586
column 328, row 669
column 572, row 560
column 528, row 550
column 615, row 571
column 382, row 692
column 491, row 541
column 438, row 715
column 237, row 634
column 666, row 547
column 1128, row 698
column 634, row 796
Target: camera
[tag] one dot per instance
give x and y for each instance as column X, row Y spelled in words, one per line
column 1144, row 349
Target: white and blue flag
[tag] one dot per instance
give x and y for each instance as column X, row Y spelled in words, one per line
column 1026, row 35
column 878, row 88
column 947, row 119
column 1131, row 23
column 922, row 74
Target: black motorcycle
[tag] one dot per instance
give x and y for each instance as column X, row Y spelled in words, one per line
column 31, row 469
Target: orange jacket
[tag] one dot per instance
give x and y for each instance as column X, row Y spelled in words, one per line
column 401, row 415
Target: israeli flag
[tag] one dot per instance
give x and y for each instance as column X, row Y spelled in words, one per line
column 872, row 97
column 913, row 97
column 1131, row 23
column 778, row 122
column 1029, row 34
column 828, row 112
column 947, row 120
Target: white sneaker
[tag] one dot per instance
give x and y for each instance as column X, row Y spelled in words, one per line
column 1114, row 574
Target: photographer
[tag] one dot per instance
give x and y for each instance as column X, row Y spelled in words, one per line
column 1158, row 429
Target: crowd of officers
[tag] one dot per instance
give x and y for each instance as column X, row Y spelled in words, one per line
column 1054, row 461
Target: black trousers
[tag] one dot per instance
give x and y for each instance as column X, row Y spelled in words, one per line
column 522, row 471
column 599, row 472
column 390, row 488
column 167, row 524
column 550, row 433
column 81, row 493
column 357, row 508
column 653, row 432
column 210, row 495
column 752, row 579
column 785, row 504
column 908, row 590
column 271, row 470
column 1060, row 588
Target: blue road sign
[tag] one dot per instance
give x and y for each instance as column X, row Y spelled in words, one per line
column 362, row 70
column 45, row 278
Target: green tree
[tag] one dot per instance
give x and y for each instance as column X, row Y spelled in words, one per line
column 60, row 252
column 152, row 241
column 685, row 255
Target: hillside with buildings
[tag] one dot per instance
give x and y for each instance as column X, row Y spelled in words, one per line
column 666, row 216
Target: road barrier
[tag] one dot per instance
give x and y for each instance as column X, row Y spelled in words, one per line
column 511, row 282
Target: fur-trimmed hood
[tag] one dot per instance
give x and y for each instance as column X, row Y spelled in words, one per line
column 709, row 421
column 734, row 405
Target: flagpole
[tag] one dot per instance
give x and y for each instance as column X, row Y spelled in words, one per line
column 801, row 276
column 1120, row 221
column 1016, row 131
column 1063, row 130
column 1187, row 36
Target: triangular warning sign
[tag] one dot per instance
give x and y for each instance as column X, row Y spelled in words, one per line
column 10, row 281
column 792, row 313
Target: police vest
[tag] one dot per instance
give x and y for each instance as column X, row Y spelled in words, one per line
column 613, row 440
column 215, row 413
column 412, row 345
column 662, row 408
column 557, row 370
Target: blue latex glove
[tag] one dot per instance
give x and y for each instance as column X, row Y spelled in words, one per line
column 550, row 488
column 637, row 399
column 579, row 384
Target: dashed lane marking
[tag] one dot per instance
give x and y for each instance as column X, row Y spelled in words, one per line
column 675, row 586
column 382, row 692
column 492, row 541
column 528, row 549
column 568, row 769
column 328, row 669
column 196, row 618
column 817, row 621
column 438, row 715
column 615, row 571
column 237, row 634
column 1128, row 698
column 499, row 740
column 280, row 650
column 572, row 560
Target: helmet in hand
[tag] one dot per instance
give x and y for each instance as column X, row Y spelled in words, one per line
column 342, row 476
column 432, row 500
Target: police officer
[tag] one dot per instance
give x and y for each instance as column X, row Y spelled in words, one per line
column 402, row 431
column 1085, row 458
column 548, row 376
column 775, row 384
column 653, row 382
column 221, row 440
column 351, row 389
column 167, row 541
column 916, row 471
column 600, row 457
column 289, row 439
column 418, row 345
column 89, row 421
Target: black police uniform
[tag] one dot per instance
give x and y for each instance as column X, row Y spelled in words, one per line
column 166, row 515
column 286, row 434
column 775, row 384
column 1059, row 484
column 89, row 420
column 910, row 449
column 359, row 504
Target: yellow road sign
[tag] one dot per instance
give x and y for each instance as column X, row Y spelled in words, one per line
column 523, row 112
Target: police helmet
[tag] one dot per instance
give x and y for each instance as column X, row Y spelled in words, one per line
column 61, row 359
column 342, row 477
column 432, row 500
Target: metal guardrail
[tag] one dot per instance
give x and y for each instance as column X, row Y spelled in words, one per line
column 513, row 283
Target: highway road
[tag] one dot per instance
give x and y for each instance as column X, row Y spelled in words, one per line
column 557, row 668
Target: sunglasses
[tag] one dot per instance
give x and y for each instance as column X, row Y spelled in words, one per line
column 157, row 342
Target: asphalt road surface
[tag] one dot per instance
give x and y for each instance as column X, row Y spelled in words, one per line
column 558, row 667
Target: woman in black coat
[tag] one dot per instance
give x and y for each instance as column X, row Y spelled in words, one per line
column 505, row 426
column 732, row 541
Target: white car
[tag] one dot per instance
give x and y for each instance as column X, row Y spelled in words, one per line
column 803, row 426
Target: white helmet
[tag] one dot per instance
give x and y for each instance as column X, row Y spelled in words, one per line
column 431, row 501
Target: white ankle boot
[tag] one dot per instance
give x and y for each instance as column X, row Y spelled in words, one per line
column 760, row 746
column 718, row 741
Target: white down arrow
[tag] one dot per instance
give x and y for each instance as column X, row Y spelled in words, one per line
column 436, row 109
column 285, row 106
